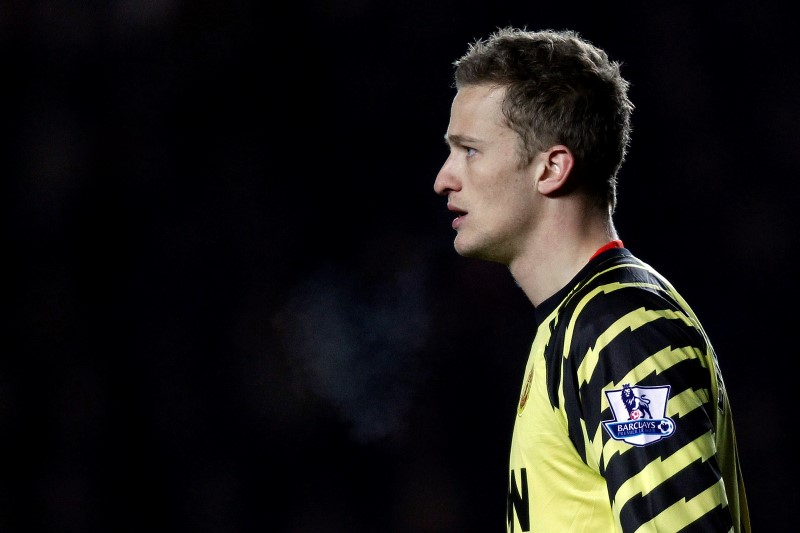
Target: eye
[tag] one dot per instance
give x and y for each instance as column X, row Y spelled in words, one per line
column 470, row 151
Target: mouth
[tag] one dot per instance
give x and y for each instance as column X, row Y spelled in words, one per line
column 460, row 216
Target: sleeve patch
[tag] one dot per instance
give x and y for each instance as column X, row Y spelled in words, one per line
column 639, row 414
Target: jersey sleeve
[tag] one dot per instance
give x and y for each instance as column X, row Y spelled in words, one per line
column 638, row 387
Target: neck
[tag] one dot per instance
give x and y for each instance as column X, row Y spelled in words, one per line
column 557, row 253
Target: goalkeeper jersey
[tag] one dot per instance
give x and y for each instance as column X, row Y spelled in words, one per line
column 623, row 423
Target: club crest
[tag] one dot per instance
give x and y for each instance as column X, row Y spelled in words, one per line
column 639, row 414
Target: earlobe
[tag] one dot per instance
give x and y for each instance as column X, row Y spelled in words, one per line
column 558, row 162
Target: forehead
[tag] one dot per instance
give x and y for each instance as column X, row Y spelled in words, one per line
column 477, row 112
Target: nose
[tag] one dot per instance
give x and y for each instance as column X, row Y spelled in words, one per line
column 446, row 181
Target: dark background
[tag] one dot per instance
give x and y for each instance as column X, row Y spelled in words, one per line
column 232, row 302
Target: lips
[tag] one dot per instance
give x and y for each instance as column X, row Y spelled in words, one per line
column 460, row 216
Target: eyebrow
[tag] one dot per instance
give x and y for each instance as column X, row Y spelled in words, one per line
column 458, row 139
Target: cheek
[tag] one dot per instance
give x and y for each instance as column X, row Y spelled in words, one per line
column 504, row 211
column 506, row 192
column 516, row 193
column 519, row 207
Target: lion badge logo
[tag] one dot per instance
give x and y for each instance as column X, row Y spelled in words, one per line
column 639, row 414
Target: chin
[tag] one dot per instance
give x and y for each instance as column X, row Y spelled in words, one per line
column 478, row 251
column 466, row 250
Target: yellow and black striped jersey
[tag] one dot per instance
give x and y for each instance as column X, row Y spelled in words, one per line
column 623, row 423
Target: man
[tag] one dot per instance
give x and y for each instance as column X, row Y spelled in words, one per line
column 623, row 423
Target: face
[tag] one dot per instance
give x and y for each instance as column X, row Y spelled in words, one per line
column 493, row 197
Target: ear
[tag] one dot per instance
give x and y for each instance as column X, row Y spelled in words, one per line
column 557, row 165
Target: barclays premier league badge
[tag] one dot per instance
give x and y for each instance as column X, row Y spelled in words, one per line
column 639, row 414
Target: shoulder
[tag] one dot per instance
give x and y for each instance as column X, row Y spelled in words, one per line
column 615, row 284
column 620, row 297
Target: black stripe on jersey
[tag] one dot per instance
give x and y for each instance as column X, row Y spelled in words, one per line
column 683, row 375
column 636, row 342
column 684, row 485
column 623, row 270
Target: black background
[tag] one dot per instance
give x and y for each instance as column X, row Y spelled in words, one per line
column 232, row 302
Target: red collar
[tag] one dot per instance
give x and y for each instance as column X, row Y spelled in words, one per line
column 613, row 244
